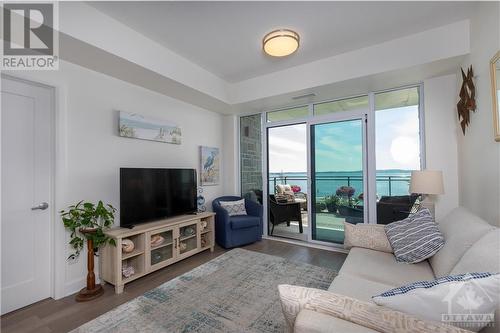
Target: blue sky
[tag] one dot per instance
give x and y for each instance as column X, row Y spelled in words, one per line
column 397, row 138
column 339, row 145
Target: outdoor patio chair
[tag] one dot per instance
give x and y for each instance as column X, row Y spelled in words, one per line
column 353, row 215
column 395, row 208
column 281, row 212
column 300, row 197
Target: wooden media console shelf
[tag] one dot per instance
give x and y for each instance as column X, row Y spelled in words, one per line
column 156, row 245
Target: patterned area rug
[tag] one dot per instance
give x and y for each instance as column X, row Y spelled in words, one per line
column 236, row 292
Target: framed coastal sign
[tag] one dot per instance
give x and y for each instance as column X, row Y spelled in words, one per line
column 133, row 125
column 209, row 166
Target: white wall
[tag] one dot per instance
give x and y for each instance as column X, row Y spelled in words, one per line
column 423, row 47
column 94, row 152
column 105, row 33
column 441, row 130
column 231, row 154
column 479, row 154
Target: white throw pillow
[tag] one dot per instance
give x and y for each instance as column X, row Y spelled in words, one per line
column 236, row 207
column 369, row 236
column 465, row 300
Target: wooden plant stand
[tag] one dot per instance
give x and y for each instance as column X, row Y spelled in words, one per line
column 91, row 291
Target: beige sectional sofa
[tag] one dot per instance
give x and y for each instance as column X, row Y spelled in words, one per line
column 471, row 245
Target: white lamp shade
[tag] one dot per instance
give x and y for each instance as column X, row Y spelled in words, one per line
column 427, row 182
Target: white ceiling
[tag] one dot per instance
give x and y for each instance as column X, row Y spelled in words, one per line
column 225, row 37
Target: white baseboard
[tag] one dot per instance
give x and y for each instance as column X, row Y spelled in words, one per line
column 76, row 285
column 306, row 244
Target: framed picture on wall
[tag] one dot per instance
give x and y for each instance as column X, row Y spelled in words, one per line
column 209, row 166
column 133, row 125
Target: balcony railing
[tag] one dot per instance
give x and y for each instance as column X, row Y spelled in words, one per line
column 389, row 182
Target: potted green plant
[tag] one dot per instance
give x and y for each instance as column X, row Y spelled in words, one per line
column 347, row 207
column 332, row 203
column 320, row 206
column 88, row 221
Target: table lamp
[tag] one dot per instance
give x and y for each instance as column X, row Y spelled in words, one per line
column 427, row 183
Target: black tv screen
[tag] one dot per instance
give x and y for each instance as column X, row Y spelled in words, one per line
column 153, row 194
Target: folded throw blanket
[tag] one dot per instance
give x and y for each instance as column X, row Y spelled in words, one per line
column 375, row 317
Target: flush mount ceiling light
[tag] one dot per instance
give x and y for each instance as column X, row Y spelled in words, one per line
column 280, row 43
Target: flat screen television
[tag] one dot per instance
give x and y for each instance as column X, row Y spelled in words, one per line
column 152, row 194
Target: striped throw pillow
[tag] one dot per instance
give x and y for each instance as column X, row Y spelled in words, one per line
column 415, row 238
column 236, row 207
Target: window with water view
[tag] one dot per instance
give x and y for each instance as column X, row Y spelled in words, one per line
column 397, row 130
column 338, row 167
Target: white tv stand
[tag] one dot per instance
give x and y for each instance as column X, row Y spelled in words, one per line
column 183, row 236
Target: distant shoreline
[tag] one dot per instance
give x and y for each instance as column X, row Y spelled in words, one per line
column 388, row 181
column 358, row 171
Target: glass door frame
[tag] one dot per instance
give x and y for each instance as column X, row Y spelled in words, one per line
column 361, row 115
column 265, row 169
column 369, row 143
column 311, row 120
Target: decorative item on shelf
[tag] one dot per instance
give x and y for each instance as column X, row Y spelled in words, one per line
column 157, row 240
column 135, row 126
column 188, row 231
column 209, row 165
column 156, row 257
column 127, row 245
column 127, row 271
column 88, row 221
column 182, row 246
column 201, row 201
column 204, row 241
column 467, row 102
column 201, row 204
column 203, row 225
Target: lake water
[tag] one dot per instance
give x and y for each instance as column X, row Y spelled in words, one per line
column 389, row 182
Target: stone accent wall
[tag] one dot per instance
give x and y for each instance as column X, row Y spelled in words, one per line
column 250, row 153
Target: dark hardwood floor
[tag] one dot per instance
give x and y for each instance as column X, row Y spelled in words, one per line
column 66, row 314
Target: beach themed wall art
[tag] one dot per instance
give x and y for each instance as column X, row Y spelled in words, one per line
column 133, row 125
column 210, row 165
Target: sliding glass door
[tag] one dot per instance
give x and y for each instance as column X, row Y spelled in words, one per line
column 287, row 181
column 334, row 162
column 337, row 177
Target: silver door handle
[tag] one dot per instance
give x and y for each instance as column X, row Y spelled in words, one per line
column 42, row 206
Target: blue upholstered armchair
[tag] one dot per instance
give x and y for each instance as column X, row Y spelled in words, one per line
column 232, row 231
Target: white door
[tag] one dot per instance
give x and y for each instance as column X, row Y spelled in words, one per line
column 26, row 192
